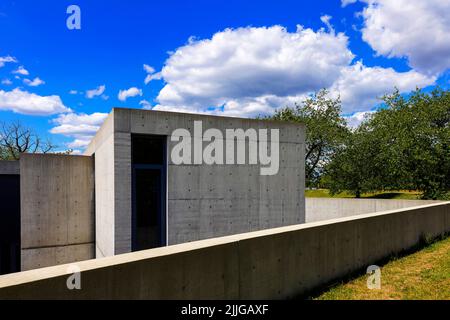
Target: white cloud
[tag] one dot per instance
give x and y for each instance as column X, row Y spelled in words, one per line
column 355, row 119
column 34, row 83
column 326, row 21
column 345, row 3
column 22, row 71
column 82, row 127
column 238, row 65
column 95, row 92
column 76, row 152
column 151, row 77
column 149, row 69
column 79, row 143
column 417, row 30
column 29, row 103
column 7, row 59
column 73, row 92
column 128, row 93
column 145, row 105
column 151, row 74
column 7, row 82
column 253, row 71
column 360, row 86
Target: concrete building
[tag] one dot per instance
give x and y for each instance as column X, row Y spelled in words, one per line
column 130, row 191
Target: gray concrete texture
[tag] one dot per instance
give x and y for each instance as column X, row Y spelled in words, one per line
column 319, row 209
column 204, row 201
column 271, row 264
column 9, row 167
column 57, row 209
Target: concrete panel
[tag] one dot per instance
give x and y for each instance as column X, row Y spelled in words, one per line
column 319, row 209
column 271, row 264
column 9, row 167
column 57, row 202
column 44, row 257
column 122, row 192
column 104, row 199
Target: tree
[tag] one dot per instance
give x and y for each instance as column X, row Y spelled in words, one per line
column 416, row 133
column 358, row 166
column 326, row 130
column 16, row 139
column 405, row 145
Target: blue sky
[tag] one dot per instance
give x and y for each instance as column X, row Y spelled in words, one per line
column 238, row 58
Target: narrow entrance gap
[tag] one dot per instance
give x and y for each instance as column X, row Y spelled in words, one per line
column 9, row 224
column 149, row 191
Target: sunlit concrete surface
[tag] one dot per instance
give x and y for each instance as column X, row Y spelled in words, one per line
column 270, row 264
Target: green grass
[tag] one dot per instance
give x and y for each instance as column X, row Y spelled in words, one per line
column 324, row 193
column 423, row 275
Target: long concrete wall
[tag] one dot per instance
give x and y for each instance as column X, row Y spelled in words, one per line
column 57, row 209
column 319, row 209
column 270, row 264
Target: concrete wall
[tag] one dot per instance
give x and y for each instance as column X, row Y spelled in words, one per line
column 102, row 148
column 319, row 209
column 207, row 201
column 203, row 201
column 57, row 209
column 9, row 167
column 270, row 264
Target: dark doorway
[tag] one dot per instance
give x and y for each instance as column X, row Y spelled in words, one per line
column 149, row 192
column 9, row 223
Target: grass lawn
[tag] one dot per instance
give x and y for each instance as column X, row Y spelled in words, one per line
column 324, row 193
column 423, row 275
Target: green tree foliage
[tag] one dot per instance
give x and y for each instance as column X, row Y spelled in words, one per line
column 405, row 145
column 357, row 166
column 326, row 130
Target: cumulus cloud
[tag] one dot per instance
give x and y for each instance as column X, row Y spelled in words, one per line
column 253, row 71
column 29, row 103
column 22, row 71
column 90, row 94
column 7, row 82
column 417, row 30
column 7, row 59
column 80, row 126
column 241, row 64
column 360, row 86
column 34, row 83
column 129, row 93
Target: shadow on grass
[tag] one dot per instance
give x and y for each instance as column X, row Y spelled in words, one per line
column 388, row 195
column 423, row 242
